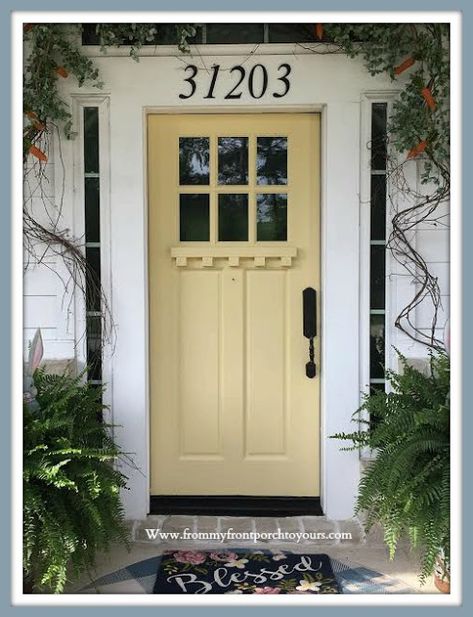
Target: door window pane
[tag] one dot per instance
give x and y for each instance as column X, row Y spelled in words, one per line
column 194, row 217
column 271, row 217
column 377, row 282
column 377, row 346
column 271, row 160
column 232, row 216
column 233, row 160
column 193, row 160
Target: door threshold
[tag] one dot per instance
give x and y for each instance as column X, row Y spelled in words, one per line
column 235, row 505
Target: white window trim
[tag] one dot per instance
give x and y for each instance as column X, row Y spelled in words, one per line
column 78, row 103
column 206, row 49
column 368, row 98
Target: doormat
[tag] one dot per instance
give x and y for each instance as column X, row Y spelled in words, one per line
column 243, row 571
column 139, row 577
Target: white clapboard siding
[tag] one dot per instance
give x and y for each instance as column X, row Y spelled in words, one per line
column 441, row 270
column 433, row 245
column 46, row 286
column 47, row 305
column 425, row 313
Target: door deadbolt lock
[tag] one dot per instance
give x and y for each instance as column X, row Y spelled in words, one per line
column 309, row 301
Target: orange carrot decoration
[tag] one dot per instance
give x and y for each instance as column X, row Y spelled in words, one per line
column 319, row 31
column 38, row 153
column 429, row 99
column 60, row 70
column 416, row 150
column 408, row 62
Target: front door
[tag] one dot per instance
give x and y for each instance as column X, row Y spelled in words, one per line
column 233, row 241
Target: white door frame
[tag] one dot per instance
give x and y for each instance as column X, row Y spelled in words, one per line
column 340, row 325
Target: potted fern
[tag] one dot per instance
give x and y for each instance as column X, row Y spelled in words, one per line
column 71, row 488
column 406, row 486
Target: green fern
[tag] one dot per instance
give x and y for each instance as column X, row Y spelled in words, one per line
column 406, row 487
column 72, row 505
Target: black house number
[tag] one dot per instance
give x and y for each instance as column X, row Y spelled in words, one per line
column 256, row 81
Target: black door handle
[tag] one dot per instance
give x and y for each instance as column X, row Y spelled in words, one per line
column 309, row 302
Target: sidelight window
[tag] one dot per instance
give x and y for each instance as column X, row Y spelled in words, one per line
column 92, row 244
column 378, row 190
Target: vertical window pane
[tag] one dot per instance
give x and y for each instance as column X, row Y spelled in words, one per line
column 271, row 217
column 94, row 348
column 92, row 255
column 91, row 139
column 92, row 210
column 377, row 346
column 378, row 135
column 193, row 160
column 98, row 389
column 232, row 217
column 375, row 388
column 271, row 160
column 233, row 160
column 378, row 207
column 377, row 291
column 194, row 218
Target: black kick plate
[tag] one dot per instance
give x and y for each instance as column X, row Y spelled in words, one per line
column 235, row 505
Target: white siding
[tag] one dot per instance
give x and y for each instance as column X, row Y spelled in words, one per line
column 48, row 302
column 432, row 240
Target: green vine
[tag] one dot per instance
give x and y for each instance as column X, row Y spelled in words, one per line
column 54, row 53
column 416, row 57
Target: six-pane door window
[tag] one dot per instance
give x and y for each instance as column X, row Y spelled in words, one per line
column 247, row 196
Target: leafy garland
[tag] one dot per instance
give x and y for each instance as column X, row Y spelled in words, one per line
column 54, row 54
column 416, row 55
column 420, row 122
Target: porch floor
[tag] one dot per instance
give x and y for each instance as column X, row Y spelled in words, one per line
column 355, row 546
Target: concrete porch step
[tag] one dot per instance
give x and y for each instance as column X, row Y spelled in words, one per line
column 188, row 530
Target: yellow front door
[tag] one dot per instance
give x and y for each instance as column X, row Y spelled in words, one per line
column 233, row 242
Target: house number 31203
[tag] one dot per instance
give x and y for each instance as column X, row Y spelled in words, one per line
column 256, row 81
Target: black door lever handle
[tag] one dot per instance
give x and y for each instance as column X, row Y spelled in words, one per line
column 309, row 300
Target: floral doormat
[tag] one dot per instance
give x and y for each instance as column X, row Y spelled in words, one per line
column 247, row 571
